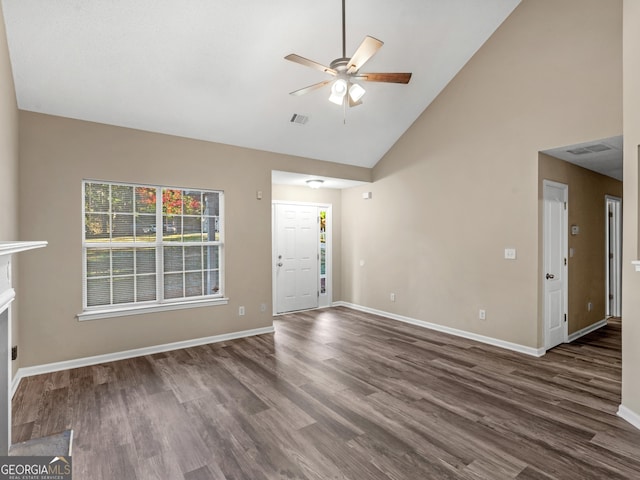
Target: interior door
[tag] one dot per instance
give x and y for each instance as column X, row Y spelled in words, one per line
column 296, row 257
column 614, row 255
column 554, row 273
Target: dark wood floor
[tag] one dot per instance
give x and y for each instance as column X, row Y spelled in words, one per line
column 338, row 394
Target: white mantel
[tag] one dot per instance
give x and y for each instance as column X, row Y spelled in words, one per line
column 7, row 249
column 7, row 294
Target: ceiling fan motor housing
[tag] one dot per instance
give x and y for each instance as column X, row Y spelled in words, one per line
column 340, row 65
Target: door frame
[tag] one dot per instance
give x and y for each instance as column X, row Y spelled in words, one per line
column 325, row 300
column 616, row 281
column 565, row 254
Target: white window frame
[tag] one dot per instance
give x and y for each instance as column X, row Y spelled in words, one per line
column 160, row 304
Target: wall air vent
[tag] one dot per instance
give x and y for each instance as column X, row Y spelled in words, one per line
column 298, row 119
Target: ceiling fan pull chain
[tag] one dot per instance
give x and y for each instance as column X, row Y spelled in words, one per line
column 344, row 110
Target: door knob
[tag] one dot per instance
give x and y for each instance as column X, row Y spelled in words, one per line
column 550, row 275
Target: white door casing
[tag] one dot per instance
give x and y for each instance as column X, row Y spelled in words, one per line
column 296, row 234
column 554, row 274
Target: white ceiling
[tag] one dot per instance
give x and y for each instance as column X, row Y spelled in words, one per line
column 214, row 70
column 603, row 156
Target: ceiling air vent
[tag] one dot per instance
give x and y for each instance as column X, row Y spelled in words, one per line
column 298, row 119
column 578, row 151
column 598, row 147
column 595, row 148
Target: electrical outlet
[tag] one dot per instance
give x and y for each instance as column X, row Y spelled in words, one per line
column 392, row 297
column 241, row 311
column 14, row 352
column 263, row 307
column 589, row 306
column 482, row 314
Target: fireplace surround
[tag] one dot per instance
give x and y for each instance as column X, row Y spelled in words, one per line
column 7, row 295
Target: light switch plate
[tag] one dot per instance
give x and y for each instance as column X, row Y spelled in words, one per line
column 510, row 253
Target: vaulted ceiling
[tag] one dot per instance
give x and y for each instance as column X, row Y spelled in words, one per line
column 214, row 69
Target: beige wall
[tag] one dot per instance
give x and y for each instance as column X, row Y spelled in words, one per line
column 325, row 196
column 587, row 273
column 461, row 185
column 8, row 165
column 631, row 210
column 57, row 153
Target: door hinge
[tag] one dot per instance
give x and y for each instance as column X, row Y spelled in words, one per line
column 611, row 296
column 611, row 255
column 565, row 261
column 565, row 205
column 565, row 317
column 318, row 293
column 610, row 214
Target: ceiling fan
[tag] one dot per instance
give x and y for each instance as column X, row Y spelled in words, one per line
column 345, row 87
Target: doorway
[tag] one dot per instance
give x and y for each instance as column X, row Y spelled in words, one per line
column 554, row 274
column 613, row 255
column 301, row 256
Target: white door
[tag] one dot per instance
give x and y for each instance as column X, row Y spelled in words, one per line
column 554, row 230
column 614, row 255
column 296, row 257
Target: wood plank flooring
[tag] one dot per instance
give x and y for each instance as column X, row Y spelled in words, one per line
column 339, row 394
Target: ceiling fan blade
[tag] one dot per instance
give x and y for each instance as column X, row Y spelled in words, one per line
column 292, row 57
column 310, row 88
column 385, row 77
column 365, row 51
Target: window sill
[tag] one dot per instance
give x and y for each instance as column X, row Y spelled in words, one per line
column 142, row 309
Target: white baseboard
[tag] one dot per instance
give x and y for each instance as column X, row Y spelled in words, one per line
column 629, row 415
column 536, row 352
column 589, row 329
column 138, row 352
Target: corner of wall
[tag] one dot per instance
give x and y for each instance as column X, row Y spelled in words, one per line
column 8, row 161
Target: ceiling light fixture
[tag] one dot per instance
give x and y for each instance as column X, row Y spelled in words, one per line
column 338, row 91
column 341, row 87
column 316, row 182
column 356, row 92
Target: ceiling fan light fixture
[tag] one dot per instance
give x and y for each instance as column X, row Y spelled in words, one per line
column 345, row 92
column 338, row 91
column 315, row 183
column 356, row 92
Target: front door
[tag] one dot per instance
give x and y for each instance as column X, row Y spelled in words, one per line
column 554, row 272
column 296, row 257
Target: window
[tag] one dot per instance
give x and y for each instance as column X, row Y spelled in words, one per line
column 147, row 246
